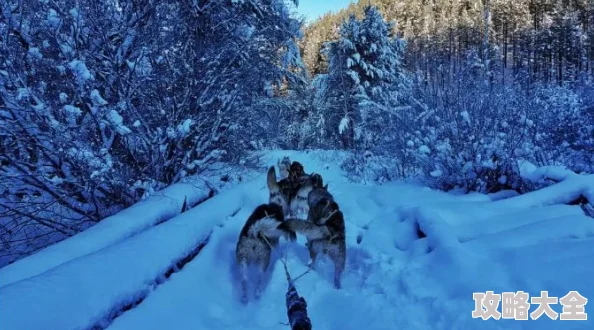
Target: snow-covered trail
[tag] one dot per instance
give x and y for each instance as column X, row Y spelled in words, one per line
column 393, row 280
column 204, row 295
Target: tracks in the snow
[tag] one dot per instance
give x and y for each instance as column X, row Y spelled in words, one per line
column 143, row 293
column 177, row 266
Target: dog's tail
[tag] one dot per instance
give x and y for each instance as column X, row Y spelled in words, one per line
column 270, row 227
column 310, row 230
column 272, row 184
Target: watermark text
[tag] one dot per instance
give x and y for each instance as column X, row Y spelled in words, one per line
column 517, row 306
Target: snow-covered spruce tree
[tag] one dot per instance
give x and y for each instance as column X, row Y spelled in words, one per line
column 339, row 87
column 385, row 84
column 102, row 102
column 365, row 82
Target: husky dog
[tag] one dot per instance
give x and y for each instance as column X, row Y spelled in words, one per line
column 324, row 230
column 299, row 206
column 297, row 178
column 277, row 194
column 261, row 234
column 297, row 186
column 296, row 171
column 284, row 166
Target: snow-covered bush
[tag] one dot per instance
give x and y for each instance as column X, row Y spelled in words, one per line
column 366, row 167
column 478, row 132
column 103, row 102
column 564, row 129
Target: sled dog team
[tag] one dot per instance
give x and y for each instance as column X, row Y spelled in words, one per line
column 298, row 203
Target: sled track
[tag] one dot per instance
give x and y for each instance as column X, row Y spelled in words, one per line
column 142, row 294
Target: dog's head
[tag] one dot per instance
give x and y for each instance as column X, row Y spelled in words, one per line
column 328, row 210
column 296, row 171
column 312, row 182
column 318, row 195
column 286, row 161
column 284, row 166
column 276, row 195
column 317, row 181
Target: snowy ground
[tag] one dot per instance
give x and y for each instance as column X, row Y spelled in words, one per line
column 154, row 209
column 393, row 280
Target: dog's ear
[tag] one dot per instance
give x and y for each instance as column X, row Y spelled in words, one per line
column 272, row 184
column 326, row 187
column 319, row 182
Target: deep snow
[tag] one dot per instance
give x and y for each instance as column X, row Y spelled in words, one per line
column 127, row 223
column 393, row 280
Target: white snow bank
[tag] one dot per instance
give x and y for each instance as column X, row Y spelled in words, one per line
column 393, row 279
column 375, row 295
column 566, row 191
column 138, row 217
column 544, row 231
column 529, row 249
column 495, row 226
column 512, row 219
column 533, row 173
column 85, row 291
column 503, row 194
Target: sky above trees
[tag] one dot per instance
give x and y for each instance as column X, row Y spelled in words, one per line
column 313, row 9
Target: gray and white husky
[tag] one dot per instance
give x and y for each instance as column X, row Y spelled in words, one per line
column 261, row 234
column 324, row 229
column 299, row 206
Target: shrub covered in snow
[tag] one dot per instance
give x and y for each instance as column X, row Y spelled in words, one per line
column 104, row 102
column 564, row 129
column 470, row 135
column 477, row 133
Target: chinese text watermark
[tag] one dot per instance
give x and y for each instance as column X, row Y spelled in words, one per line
column 516, row 306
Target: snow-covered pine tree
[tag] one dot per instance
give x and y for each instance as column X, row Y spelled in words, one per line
column 385, row 87
column 341, row 85
column 365, row 81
